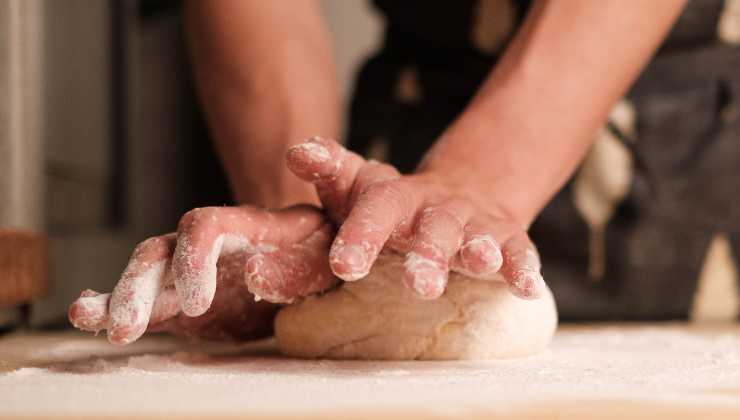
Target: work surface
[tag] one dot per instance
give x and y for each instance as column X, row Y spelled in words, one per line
column 668, row 370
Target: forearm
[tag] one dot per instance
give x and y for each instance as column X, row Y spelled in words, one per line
column 266, row 79
column 534, row 118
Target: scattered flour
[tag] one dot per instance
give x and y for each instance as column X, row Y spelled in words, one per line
column 75, row 374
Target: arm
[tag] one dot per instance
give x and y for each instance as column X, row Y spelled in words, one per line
column 468, row 207
column 532, row 121
column 266, row 78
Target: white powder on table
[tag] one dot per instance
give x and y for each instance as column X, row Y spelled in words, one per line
column 83, row 375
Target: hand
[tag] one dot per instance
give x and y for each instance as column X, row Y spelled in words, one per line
column 192, row 282
column 417, row 215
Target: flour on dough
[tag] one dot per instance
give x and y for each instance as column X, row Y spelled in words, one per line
column 379, row 318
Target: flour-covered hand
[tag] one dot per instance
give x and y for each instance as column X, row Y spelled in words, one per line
column 434, row 226
column 207, row 279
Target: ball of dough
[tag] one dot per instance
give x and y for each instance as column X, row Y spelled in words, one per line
column 379, row 318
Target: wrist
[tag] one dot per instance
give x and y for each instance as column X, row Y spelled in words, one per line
column 277, row 193
column 253, row 138
column 264, row 179
column 460, row 183
column 483, row 159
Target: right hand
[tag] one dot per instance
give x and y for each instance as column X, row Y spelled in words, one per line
column 204, row 280
column 420, row 216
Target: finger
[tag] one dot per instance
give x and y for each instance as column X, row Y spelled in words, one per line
column 90, row 311
column 438, row 236
column 299, row 271
column 202, row 234
column 133, row 298
column 376, row 213
column 296, row 223
column 205, row 234
column 521, row 267
column 371, row 173
column 166, row 307
column 331, row 168
column 480, row 254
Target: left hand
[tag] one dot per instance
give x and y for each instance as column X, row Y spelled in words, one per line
column 203, row 280
column 435, row 227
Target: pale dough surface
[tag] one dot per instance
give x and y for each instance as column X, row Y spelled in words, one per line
column 379, row 318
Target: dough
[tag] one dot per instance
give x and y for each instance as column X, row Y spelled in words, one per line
column 379, row 318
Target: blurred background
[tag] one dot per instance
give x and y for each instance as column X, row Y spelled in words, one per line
column 102, row 145
column 101, row 140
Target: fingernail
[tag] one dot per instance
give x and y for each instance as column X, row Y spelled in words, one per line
column 313, row 150
column 195, row 278
column 482, row 255
column 528, row 284
column 193, row 303
column 349, row 262
column 424, row 276
column 90, row 311
column 264, row 279
column 121, row 336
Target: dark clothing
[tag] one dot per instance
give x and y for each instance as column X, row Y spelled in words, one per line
column 431, row 39
column 686, row 185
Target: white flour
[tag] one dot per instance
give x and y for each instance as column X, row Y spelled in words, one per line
column 71, row 373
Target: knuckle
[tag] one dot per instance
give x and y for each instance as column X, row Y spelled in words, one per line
column 300, row 208
column 441, row 215
column 147, row 245
column 432, row 251
column 247, row 208
column 388, row 198
column 188, row 219
column 386, row 190
column 196, row 216
column 373, row 172
column 152, row 249
column 245, row 212
column 206, row 213
column 385, row 170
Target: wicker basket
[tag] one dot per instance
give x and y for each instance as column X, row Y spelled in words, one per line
column 23, row 266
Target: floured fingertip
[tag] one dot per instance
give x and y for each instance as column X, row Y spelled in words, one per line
column 193, row 304
column 314, row 148
column 350, row 262
column 311, row 159
column 424, row 276
column 481, row 256
column 121, row 336
column 527, row 284
column 196, row 283
column 264, row 279
column 90, row 311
